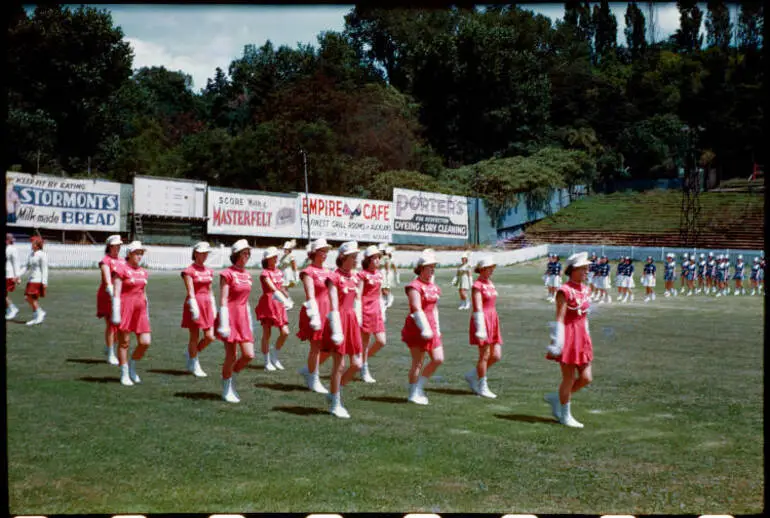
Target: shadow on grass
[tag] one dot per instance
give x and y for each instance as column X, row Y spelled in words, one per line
column 384, row 399
column 170, row 372
column 104, row 379
column 451, row 392
column 256, row 367
column 282, row 387
column 87, row 361
column 300, row 410
column 17, row 321
column 210, row 396
column 527, row 418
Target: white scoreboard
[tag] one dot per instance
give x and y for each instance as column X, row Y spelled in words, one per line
column 166, row 197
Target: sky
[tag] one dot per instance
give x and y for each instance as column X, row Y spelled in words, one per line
column 198, row 38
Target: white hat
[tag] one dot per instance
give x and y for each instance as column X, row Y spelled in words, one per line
column 485, row 262
column 269, row 252
column 382, row 246
column 756, row 259
column 348, row 248
column 389, row 250
column 578, row 260
column 427, row 258
column 290, row 244
column 372, row 250
column 702, row 256
column 202, row 247
column 114, row 240
column 319, row 244
column 466, row 254
column 133, row 246
column 740, row 258
column 711, row 254
column 239, row 245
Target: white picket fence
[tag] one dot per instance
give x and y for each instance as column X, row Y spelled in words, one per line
column 177, row 258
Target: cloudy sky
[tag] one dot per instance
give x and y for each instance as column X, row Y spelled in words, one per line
column 198, row 38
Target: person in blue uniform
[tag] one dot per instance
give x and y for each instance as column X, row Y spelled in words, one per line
column 692, row 268
column 669, row 273
column 548, row 277
column 556, row 277
column 683, row 274
column 762, row 266
column 738, row 275
column 701, row 274
column 604, row 286
column 591, row 274
column 711, row 274
column 620, row 272
column 721, row 276
column 628, row 280
column 648, row 279
column 754, row 275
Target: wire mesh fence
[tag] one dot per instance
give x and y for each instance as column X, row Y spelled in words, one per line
column 658, row 253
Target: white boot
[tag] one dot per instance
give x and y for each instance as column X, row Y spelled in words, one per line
column 567, row 419
column 632, row 297
column 366, row 375
column 391, row 299
column 754, row 292
column 484, row 389
column 337, row 409
column 112, row 358
column 274, row 359
column 132, row 371
column 473, row 381
column 34, row 319
column 647, row 299
column 737, row 292
column 553, row 399
column 315, row 384
column 11, row 312
column 125, row 378
column 228, row 394
column 653, row 295
column 268, row 364
column 196, row 368
column 415, row 397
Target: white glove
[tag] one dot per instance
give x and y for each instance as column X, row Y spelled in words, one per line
column 398, row 278
column 110, row 290
column 214, row 305
column 115, row 310
column 438, row 323
column 194, row 309
column 422, row 324
column 454, row 281
column 336, row 325
column 283, row 299
column 481, row 325
column 224, row 322
column 311, row 306
column 359, row 313
column 557, row 338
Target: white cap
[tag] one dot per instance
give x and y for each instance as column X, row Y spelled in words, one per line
column 756, row 259
column 669, row 254
column 740, row 258
column 133, row 246
column 578, row 260
column 270, row 252
column 702, row 256
column 372, row 250
column 389, row 250
column 427, row 258
column 202, row 247
column 348, row 248
column 382, row 246
column 114, row 240
column 485, row 262
column 319, row 244
column 711, row 254
column 239, row 245
column 290, row 244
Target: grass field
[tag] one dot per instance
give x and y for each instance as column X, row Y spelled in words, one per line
column 673, row 421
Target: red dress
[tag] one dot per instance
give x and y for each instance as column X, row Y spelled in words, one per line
column 410, row 334
column 578, row 349
column 269, row 311
column 346, row 284
column 492, row 321
column 134, row 315
column 103, row 299
column 371, row 310
column 318, row 276
column 202, row 278
column 239, row 281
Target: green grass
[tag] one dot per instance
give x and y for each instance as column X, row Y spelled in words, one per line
column 673, row 421
column 653, row 211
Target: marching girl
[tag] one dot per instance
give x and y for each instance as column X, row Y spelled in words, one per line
column 422, row 330
column 200, row 309
column 390, row 275
column 372, row 310
column 602, row 280
column 554, row 280
column 648, row 281
column 762, row 266
column 130, row 312
column 720, row 275
column 620, row 272
column 754, row 276
column 701, row 275
column 547, row 278
column 342, row 335
column 739, row 275
column 484, row 328
column 272, row 308
column 12, row 276
column 628, row 280
column 313, row 315
column 463, row 279
column 711, row 273
column 235, row 323
column 288, row 265
column 571, row 342
column 37, row 285
column 108, row 267
column 692, row 267
column 668, row 275
column 683, row 274
column 591, row 274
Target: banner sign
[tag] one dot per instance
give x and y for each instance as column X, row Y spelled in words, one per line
column 346, row 219
column 429, row 214
column 61, row 203
column 168, row 197
column 241, row 214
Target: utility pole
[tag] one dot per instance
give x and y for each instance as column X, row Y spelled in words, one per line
column 307, row 192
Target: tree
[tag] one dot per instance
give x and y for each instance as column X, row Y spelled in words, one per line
column 606, row 32
column 635, row 31
column 718, row 26
column 688, row 37
column 750, row 26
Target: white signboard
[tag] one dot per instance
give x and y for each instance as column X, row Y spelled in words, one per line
column 167, row 197
column 236, row 213
column 421, row 213
column 346, row 219
column 61, row 203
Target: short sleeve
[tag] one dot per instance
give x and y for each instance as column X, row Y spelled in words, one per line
column 226, row 276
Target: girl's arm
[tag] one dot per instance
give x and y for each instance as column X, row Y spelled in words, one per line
column 478, row 315
column 224, row 311
column 107, row 279
column 118, row 287
column 415, row 306
column 191, row 301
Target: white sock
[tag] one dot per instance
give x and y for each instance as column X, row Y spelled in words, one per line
column 421, row 381
column 267, row 358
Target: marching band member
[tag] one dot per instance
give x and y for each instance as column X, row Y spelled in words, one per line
column 422, row 330
column 720, row 277
column 37, row 284
column 762, row 265
column 372, row 311
column 555, row 279
column 620, row 273
column 724, row 276
column 628, row 280
column 547, row 278
column 738, row 276
column 108, row 267
column 711, row 274
column 648, row 281
column 463, row 279
column 484, row 328
column 130, row 312
column 342, row 334
column 571, row 340
column 683, row 273
column 754, row 276
column 390, row 275
column 692, row 266
column 272, row 308
column 604, row 287
column 312, row 316
column 668, row 276
column 235, row 322
column 199, row 309
column 701, row 275
column 12, row 275
column 591, row 274
column 288, row 265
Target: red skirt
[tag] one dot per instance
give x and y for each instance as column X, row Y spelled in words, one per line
column 206, row 319
column 412, row 337
column 578, row 349
column 133, row 316
column 371, row 322
column 270, row 312
column 103, row 303
column 492, row 322
column 240, row 325
column 34, row 289
column 10, row 285
column 306, row 332
column 352, row 343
